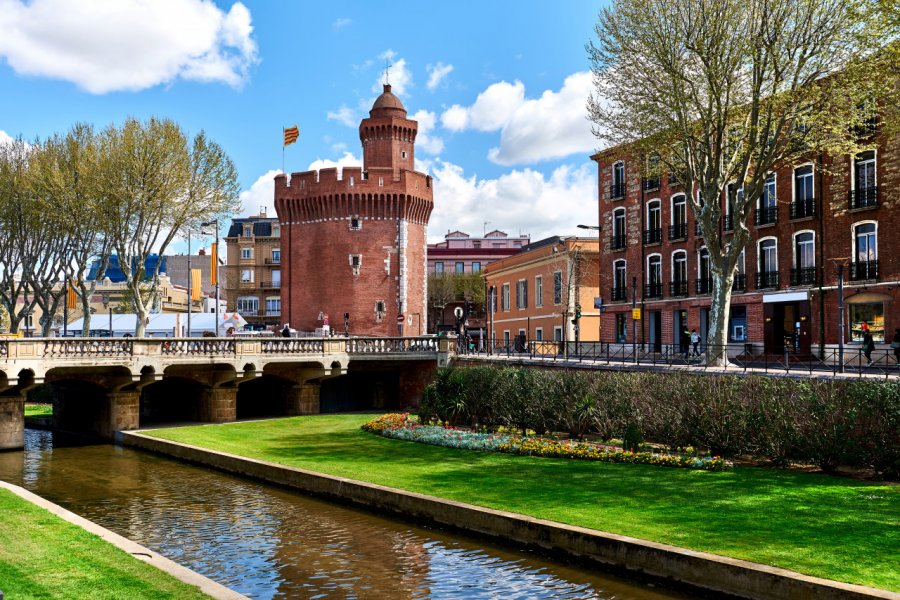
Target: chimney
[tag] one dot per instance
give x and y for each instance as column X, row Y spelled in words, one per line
column 201, row 252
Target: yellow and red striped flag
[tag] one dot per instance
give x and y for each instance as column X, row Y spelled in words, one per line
column 196, row 284
column 71, row 297
column 214, row 264
column 291, row 134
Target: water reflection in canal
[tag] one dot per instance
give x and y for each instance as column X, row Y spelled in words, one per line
column 267, row 542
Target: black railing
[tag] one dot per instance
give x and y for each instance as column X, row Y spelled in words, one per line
column 678, row 288
column 653, row 290
column 728, row 222
column 704, row 286
column 864, row 270
column 801, row 209
column 740, row 283
column 618, row 294
column 616, row 191
column 271, row 285
column 678, row 232
column 766, row 215
column 652, row 236
column 698, row 229
column 651, row 183
column 273, row 261
column 803, row 276
column 767, row 280
column 864, row 198
column 617, row 242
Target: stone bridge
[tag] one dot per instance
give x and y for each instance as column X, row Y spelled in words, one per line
column 103, row 385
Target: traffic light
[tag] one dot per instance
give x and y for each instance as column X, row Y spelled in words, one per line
column 470, row 309
column 577, row 311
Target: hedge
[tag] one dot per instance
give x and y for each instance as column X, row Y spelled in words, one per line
column 825, row 422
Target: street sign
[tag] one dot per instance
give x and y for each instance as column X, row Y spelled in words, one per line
column 636, row 314
column 400, row 319
column 598, row 302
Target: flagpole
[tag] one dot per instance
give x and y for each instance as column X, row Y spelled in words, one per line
column 283, row 131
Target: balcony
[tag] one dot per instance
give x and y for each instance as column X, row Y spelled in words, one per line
column 653, row 291
column 652, row 236
column 740, row 283
column 766, row 215
column 678, row 232
column 800, row 209
column 864, row 270
column 271, row 285
column 617, row 242
column 678, row 289
column 698, row 230
column 863, row 198
column 803, row 276
column 247, row 285
column 728, row 222
column 618, row 294
column 273, row 261
column 767, row 280
column 616, row 191
column 271, row 313
column 651, row 183
column 704, row 286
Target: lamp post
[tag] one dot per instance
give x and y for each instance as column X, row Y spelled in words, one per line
column 633, row 320
column 106, row 304
column 215, row 265
column 190, row 282
column 840, row 263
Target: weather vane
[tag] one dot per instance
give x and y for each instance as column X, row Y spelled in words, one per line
column 387, row 71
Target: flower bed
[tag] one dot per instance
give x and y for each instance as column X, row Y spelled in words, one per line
column 401, row 427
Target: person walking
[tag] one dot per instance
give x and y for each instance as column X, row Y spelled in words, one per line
column 286, row 330
column 695, row 342
column 868, row 346
column 895, row 345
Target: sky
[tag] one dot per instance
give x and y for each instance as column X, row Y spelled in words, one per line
column 498, row 88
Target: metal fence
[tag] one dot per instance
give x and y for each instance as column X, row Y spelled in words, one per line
column 741, row 357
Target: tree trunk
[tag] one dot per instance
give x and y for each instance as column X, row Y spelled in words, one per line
column 719, row 311
column 86, row 315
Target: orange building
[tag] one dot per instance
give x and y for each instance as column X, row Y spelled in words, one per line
column 540, row 292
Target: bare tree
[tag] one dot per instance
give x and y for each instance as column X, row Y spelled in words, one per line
column 156, row 186
column 441, row 292
column 727, row 91
column 15, row 197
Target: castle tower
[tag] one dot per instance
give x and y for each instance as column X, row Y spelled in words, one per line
column 356, row 243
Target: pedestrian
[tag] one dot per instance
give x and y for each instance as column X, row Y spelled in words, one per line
column 286, row 330
column 695, row 342
column 895, row 344
column 868, row 346
column 685, row 341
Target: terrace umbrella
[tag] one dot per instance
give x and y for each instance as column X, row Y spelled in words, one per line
column 232, row 320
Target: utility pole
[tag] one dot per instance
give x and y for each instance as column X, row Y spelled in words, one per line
column 190, row 281
column 215, row 267
column 633, row 320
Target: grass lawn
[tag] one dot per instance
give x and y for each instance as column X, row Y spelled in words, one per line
column 38, row 410
column 821, row 525
column 43, row 556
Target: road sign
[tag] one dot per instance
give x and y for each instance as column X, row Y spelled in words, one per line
column 400, row 319
column 636, row 314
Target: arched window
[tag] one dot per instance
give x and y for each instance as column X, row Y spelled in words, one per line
column 654, row 277
column 679, row 285
column 617, row 242
column 767, row 208
column 804, row 271
column 678, row 228
column 619, row 280
column 767, row 271
column 617, row 187
column 865, row 252
column 653, row 234
column 704, row 281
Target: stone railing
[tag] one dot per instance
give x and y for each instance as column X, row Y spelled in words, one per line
column 392, row 345
column 87, row 347
column 197, row 347
column 292, row 346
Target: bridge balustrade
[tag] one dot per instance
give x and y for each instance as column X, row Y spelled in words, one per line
column 88, row 347
column 190, row 347
column 391, row 345
column 293, row 346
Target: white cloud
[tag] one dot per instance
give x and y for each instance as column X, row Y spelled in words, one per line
column 436, row 74
column 347, row 160
column 344, row 115
column 551, row 126
column 521, row 200
column 5, row 138
column 261, row 195
column 399, row 75
column 340, row 23
column 129, row 45
column 424, row 139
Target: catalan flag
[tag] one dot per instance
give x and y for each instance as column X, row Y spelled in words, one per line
column 71, row 297
column 291, row 134
column 196, row 283
column 214, row 265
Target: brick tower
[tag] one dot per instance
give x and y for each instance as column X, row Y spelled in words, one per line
column 355, row 243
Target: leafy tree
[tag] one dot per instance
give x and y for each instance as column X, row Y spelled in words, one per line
column 722, row 91
column 441, row 292
column 156, row 186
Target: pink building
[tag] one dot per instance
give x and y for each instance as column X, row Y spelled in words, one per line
column 460, row 253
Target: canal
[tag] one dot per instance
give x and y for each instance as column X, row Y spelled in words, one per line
column 267, row 542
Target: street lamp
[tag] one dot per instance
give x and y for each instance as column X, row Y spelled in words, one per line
column 590, row 227
column 215, row 266
column 107, row 305
column 840, row 263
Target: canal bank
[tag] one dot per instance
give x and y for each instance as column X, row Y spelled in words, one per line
column 42, row 539
column 700, row 570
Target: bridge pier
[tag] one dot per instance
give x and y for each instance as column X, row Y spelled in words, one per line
column 218, row 404
column 12, row 422
column 302, row 399
column 85, row 409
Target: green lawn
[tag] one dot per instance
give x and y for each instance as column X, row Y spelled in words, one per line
column 38, row 410
column 821, row 525
column 43, row 556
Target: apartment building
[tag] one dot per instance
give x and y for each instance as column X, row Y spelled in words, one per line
column 253, row 271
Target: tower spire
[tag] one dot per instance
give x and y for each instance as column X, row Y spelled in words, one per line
column 387, row 71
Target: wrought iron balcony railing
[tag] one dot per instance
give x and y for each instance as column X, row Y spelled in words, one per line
column 617, row 242
column 740, row 283
column 766, row 280
column 766, row 215
column 651, row 183
column 678, row 288
column 864, row 198
column 652, row 236
column 616, row 191
column 801, row 209
column 864, row 270
column 803, row 276
column 653, row 290
column 704, row 286
column 618, row 294
column 678, row 232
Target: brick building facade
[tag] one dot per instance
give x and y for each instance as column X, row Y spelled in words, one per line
column 538, row 290
column 354, row 242
column 462, row 253
column 812, row 216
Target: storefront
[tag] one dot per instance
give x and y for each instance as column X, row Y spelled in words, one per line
column 786, row 323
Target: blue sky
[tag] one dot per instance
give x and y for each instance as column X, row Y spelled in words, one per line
column 498, row 88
